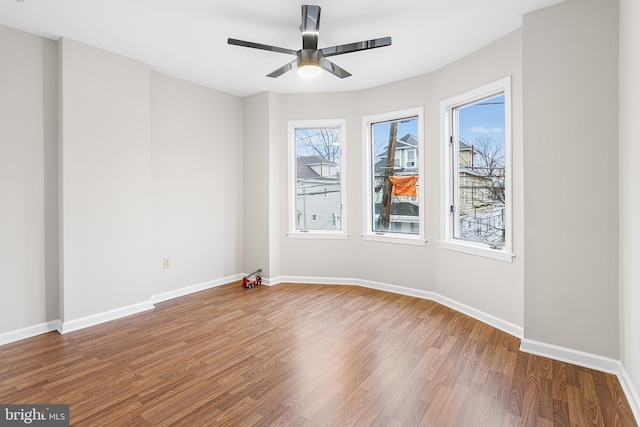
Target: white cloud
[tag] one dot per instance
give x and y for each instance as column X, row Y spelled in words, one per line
column 497, row 130
column 479, row 129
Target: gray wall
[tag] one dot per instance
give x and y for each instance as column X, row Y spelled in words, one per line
column 255, row 190
column 491, row 286
column 570, row 68
column 28, row 184
column 261, row 168
column 276, row 165
column 196, row 181
column 630, row 188
column 105, row 183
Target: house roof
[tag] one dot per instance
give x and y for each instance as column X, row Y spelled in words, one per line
column 473, row 172
column 408, row 141
column 463, row 145
column 305, row 171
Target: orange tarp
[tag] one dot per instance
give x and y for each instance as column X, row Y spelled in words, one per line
column 404, row 185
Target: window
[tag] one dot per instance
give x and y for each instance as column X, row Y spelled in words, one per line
column 477, row 171
column 394, row 176
column 411, row 158
column 317, row 180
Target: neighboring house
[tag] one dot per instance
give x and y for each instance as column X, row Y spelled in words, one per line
column 404, row 216
column 404, row 209
column 481, row 212
column 318, row 194
column 474, row 187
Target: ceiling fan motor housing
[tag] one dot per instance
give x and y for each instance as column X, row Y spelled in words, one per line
column 308, row 57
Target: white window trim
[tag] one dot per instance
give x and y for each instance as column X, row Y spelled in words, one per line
column 447, row 241
column 316, row 234
column 389, row 236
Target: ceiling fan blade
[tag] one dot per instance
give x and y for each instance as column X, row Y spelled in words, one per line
column 354, row 47
column 334, row 69
column 280, row 71
column 310, row 27
column 253, row 45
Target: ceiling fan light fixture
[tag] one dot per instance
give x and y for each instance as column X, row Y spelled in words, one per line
column 309, row 62
column 309, row 70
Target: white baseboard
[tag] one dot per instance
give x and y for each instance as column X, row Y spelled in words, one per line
column 194, row 288
column 28, row 332
column 270, row 282
column 503, row 325
column 629, row 390
column 74, row 325
column 95, row 319
column 575, row 357
column 588, row 360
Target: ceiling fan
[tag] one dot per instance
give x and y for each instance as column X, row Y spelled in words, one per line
column 310, row 58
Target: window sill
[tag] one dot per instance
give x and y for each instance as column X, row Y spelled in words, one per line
column 478, row 250
column 395, row 238
column 317, row 235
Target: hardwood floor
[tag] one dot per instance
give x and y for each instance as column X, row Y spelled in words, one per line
column 304, row 355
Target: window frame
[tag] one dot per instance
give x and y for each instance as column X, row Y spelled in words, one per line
column 449, row 193
column 292, row 126
column 389, row 236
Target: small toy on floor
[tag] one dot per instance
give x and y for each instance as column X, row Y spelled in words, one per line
column 252, row 280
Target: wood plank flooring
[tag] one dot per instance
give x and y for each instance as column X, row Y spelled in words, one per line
column 307, row 355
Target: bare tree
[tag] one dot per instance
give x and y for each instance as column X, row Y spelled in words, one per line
column 323, row 142
column 489, row 163
column 485, row 191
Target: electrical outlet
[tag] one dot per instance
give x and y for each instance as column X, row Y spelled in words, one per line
column 166, row 263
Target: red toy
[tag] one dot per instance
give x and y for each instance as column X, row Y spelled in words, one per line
column 252, row 279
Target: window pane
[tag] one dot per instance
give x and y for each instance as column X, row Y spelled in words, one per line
column 395, row 200
column 481, row 172
column 318, row 200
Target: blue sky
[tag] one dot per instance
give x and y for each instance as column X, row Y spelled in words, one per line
column 406, row 126
column 483, row 118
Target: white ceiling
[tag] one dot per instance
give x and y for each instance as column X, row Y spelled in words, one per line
column 188, row 38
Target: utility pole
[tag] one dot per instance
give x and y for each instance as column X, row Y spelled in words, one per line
column 384, row 220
